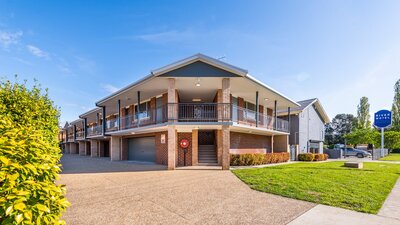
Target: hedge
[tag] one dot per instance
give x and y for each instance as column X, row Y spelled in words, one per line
column 258, row 158
column 312, row 157
column 29, row 156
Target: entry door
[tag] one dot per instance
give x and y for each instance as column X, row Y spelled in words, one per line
column 142, row 149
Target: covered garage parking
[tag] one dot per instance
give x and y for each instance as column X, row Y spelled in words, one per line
column 142, row 149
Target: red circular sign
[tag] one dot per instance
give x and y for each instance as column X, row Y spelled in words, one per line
column 184, row 143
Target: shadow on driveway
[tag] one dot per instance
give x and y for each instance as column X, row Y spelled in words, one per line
column 72, row 164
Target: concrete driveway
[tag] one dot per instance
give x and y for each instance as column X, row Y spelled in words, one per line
column 104, row 192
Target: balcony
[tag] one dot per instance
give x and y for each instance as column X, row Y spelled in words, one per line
column 70, row 137
column 80, row 135
column 144, row 118
column 94, row 131
column 193, row 113
column 199, row 112
column 248, row 117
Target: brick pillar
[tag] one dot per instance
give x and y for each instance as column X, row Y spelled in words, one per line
column 93, row 148
column 219, row 147
column 195, row 147
column 172, row 136
column 172, row 147
column 82, row 147
column 226, row 93
column 172, row 109
column 272, row 144
column 115, row 148
column 225, row 147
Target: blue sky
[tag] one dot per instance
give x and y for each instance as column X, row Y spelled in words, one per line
column 337, row 51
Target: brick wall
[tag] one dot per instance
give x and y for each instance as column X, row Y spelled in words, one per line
column 241, row 143
column 181, row 158
column 161, row 149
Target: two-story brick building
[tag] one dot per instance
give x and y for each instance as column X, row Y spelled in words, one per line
column 192, row 112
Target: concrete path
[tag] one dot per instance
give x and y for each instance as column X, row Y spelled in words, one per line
column 104, row 192
column 391, row 207
column 328, row 215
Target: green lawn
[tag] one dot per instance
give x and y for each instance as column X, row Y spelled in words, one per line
column 328, row 183
column 391, row 157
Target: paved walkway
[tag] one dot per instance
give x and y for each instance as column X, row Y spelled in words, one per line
column 328, row 215
column 391, row 207
column 104, row 192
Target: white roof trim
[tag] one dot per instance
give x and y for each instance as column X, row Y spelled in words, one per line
column 200, row 57
column 89, row 112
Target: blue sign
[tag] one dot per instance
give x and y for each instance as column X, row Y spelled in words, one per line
column 383, row 118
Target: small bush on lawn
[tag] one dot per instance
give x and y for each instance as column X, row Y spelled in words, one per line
column 29, row 156
column 306, row 157
column 258, row 158
column 312, row 157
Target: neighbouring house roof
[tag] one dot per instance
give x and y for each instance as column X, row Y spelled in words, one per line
column 304, row 104
column 190, row 60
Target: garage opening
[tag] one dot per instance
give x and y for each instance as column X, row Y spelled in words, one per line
column 142, row 149
column 88, row 148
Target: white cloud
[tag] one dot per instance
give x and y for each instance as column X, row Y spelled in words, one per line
column 302, row 76
column 9, row 38
column 109, row 88
column 166, row 36
column 37, row 52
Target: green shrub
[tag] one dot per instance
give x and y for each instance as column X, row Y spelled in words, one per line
column 29, row 156
column 258, row 158
column 312, row 157
column 306, row 157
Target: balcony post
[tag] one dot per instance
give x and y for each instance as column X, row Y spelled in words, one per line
column 288, row 109
column 85, row 127
column 119, row 114
column 104, row 121
column 138, row 107
column 275, row 115
column 257, row 109
column 74, row 132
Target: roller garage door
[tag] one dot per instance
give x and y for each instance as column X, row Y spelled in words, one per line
column 142, row 149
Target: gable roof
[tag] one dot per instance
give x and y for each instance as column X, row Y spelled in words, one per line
column 229, row 69
column 200, row 58
column 304, row 104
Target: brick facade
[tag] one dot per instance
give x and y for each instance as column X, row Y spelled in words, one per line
column 241, row 143
column 161, row 148
column 181, row 154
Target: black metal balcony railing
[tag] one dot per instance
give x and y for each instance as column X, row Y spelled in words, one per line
column 199, row 112
column 192, row 112
column 144, row 118
column 245, row 116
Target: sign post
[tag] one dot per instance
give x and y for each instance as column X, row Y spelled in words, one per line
column 383, row 119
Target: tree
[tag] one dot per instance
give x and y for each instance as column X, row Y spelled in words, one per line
column 363, row 136
column 363, row 117
column 341, row 124
column 29, row 156
column 396, row 107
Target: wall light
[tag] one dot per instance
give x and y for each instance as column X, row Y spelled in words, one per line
column 198, row 82
column 196, row 100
